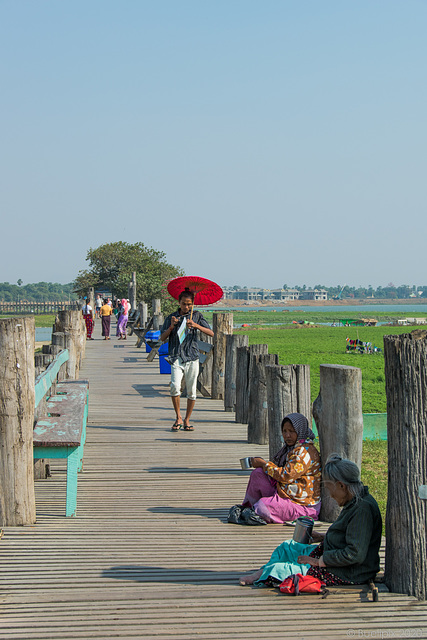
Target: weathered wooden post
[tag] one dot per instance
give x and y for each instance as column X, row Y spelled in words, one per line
column 60, row 341
column 143, row 307
column 204, row 381
column 242, row 391
column 406, row 517
column 288, row 391
column 232, row 342
column 17, row 500
column 132, row 292
column 258, row 407
column 91, row 297
column 222, row 326
column 243, row 375
column 157, row 317
column 72, row 322
column 337, row 411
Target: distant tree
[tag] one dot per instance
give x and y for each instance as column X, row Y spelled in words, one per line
column 20, row 282
column 404, row 291
column 111, row 267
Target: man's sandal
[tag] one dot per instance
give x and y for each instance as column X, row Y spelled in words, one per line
column 188, row 428
column 177, row 426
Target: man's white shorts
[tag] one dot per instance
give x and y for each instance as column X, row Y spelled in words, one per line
column 190, row 371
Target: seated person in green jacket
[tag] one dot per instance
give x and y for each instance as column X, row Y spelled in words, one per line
column 348, row 552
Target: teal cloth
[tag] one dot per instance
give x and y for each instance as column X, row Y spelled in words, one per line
column 284, row 561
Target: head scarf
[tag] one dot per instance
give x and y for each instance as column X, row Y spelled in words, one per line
column 125, row 306
column 301, row 426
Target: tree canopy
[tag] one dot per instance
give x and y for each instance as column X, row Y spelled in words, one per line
column 36, row 291
column 111, row 266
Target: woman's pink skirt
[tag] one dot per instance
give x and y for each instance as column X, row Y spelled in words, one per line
column 261, row 494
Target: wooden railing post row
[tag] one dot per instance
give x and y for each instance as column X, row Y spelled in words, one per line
column 258, row 406
column 288, row 391
column 222, row 325
column 232, row 343
column 405, row 359
column 17, row 499
column 337, row 411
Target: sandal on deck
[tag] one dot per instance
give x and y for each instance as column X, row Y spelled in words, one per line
column 188, row 428
column 177, row 426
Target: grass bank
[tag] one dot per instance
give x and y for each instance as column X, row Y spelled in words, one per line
column 316, row 345
column 375, row 472
column 42, row 320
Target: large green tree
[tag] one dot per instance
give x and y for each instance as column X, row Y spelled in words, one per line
column 111, row 267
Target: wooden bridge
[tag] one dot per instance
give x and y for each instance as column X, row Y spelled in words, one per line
column 150, row 554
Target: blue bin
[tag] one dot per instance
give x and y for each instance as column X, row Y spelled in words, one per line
column 151, row 335
column 163, row 351
column 164, row 365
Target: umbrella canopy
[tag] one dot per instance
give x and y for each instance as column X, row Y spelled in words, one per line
column 205, row 291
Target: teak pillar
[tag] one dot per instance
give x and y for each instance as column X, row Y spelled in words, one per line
column 17, row 375
column 406, row 517
column 222, row 326
column 258, row 408
column 288, row 391
column 232, row 343
column 337, row 411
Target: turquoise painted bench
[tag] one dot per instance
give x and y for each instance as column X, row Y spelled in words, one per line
column 62, row 434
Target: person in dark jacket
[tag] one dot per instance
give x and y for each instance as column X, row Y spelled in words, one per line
column 180, row 329
column 349, row 551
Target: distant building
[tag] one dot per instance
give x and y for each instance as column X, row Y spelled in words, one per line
column 313, row 294
column 274, row 295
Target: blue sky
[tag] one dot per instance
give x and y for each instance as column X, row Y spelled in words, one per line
column 255, row 143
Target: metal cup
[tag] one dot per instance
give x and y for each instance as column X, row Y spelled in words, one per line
column 245, row 463
column 303, row 529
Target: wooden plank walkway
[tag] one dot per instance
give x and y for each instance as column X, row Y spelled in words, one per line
column 150, row 554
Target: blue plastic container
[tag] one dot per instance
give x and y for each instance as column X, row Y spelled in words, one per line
column 164, row 366
column 151, row 335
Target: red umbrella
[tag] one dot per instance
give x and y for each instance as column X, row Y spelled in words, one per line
column 205, row 291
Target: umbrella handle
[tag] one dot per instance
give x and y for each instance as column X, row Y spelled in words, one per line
column 191, row 314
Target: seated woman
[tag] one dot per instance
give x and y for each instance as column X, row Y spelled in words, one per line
column 288, row 487
column 348, row 552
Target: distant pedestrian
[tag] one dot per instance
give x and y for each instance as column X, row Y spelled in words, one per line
column 106, row 312
column 87, row 312
column 98, row 305
column 123, row 320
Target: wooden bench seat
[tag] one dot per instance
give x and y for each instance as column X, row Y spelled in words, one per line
column 62, row 433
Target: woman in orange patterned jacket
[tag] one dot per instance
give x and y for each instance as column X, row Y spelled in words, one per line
column 288, row 487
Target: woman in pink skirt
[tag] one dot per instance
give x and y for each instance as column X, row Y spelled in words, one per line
column 288, row 487
column 123, row 320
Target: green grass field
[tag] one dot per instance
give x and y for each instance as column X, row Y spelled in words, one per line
column 316, row 345
column 375, row 472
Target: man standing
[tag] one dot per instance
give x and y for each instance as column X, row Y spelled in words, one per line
column 183, row 354
column 98, row 305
